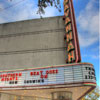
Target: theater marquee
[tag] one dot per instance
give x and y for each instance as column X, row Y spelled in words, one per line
column 55, row 75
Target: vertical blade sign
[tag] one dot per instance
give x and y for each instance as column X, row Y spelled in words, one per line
column 71, row 33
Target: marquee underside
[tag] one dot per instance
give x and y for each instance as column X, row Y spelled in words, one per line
column 78, row 91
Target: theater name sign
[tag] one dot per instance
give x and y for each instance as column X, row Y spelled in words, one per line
column 45, row 77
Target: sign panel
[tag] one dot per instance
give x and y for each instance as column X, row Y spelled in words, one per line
column 47, row 76
column 71, row 33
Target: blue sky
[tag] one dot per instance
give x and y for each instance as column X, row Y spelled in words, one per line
column 87, row 18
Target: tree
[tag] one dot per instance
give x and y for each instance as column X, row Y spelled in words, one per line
column 42, row 4
column 93, row 95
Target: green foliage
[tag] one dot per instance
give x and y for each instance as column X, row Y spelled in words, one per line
column 42, row 4
column 93, row 95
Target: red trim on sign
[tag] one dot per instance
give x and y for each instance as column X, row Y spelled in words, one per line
column 89, row 83
column 78, row 56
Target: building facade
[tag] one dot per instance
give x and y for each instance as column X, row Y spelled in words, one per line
column 40, row 60
column 29, row 47
column 33, row 43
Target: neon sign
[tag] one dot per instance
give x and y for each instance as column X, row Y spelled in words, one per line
column 71, row 33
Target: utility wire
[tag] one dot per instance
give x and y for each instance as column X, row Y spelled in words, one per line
column 11, row 5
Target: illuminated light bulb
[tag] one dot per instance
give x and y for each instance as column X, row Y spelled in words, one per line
column 22, row 97
column 76, row 89
column 32, row 94
column 24, row 92
column 15, row 98
column 86, row 88
column 81, row 87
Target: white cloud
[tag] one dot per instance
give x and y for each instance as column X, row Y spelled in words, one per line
column 86, row 41
column 88, row 21
column 50, row 11
column 1, row 6
column 91, row 56
column 27, row 12
column 96, row 56
column 23, row 11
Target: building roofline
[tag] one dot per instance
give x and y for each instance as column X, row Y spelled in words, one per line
column 29, row 20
